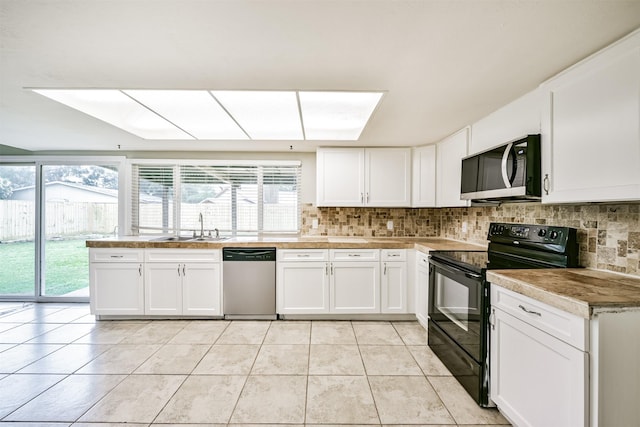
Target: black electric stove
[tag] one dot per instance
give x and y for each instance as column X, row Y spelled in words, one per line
column 459, row 293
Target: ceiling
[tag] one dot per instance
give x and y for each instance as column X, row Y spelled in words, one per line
column 443, row 64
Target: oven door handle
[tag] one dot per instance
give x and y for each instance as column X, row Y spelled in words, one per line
column 453, row 270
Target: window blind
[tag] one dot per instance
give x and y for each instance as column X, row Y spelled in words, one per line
column 153, row 194
column 235, row 199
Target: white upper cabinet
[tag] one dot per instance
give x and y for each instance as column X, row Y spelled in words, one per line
column 364, row 177
column 340, row 176
column 423, row 183
column 591, row 128
column 450, row 152
column 516, row 119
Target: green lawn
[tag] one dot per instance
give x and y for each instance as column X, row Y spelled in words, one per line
column 66, row 267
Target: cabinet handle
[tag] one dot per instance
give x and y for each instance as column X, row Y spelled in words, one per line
column 116, row 256
column 361, row 197
column 492, row 319
column 367, row 197
column 529, row 311
column 354, row 255
column 184, row 273
column 303, row 255
column 178, row 269
column 332, row 269
column 545, row 184
column 140, row 270
column 326, row 268
column 385, row 269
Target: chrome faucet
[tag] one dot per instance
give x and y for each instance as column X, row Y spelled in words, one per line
column 201, row 220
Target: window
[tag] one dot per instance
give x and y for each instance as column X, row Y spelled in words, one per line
column 233, row 198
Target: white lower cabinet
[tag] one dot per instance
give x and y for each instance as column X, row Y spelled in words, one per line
column 116, row 284
column 355, row 281
column 302, row 281
column 393, row 281
column 184, row 282
column 422, row 288
column 536, row 379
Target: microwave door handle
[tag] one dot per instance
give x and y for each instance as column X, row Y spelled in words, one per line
column 505, row 160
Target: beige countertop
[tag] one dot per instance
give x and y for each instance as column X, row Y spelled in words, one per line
column 579, row 291
column 294, row 242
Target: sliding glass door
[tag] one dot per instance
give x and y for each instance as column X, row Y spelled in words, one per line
column 17, row 230
column 47, row 212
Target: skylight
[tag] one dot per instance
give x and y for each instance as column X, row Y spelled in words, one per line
column 226, row 114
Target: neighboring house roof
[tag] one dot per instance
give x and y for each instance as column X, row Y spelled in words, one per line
column 92, row 189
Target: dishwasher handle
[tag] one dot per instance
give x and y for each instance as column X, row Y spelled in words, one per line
column 249, row 254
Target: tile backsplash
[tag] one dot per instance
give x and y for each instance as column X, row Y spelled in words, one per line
column 608, row 234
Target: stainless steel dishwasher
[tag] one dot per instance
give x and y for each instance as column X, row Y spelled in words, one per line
column 249, row 283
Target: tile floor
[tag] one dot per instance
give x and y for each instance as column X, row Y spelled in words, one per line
column 59, row 367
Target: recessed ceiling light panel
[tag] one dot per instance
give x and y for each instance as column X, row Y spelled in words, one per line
column 194, row 111
column 267, row 115
column 117, row 109
column 337, row 115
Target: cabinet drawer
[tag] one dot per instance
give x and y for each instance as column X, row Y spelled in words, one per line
column 393, row 254
column 182, row 255
column 560, row 324
column 422, row 259
column 354, row 254
column 115, row 255
column 303, row 255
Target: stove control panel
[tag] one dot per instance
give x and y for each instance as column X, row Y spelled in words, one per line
column 526, row 232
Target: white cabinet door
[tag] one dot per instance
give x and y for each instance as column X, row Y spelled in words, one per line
column 591, row 128
column 450, row 153
column 388, row 177
column 163, row 288
column 302, row 287
column 393, row 287
column 116, row 288
column 340, row 177
column 422, row 288
column 201, row 289
column 355, row 287
column 423, row 183
column 536, row 379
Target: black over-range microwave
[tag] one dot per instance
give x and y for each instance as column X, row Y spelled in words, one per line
column 508, row 172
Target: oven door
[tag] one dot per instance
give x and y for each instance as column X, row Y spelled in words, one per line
column 458, row 305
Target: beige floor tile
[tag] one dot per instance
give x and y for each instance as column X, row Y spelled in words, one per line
column 323, row 332
column 388, row 360
column 39, row 424
column 18, row 389
column 288, row 332
column 7, row 326
column 236, row 359
column 430, row 364
column 67, row 315
column 411, row 333
column 65, row 334
column 463, row 408
column 18, row 357
column 282, row 359
column 89, row 318
column 4, row 347
column 408, row 400
column 158, row 332
column 200, row 332
column 244, row 332
column 26, row 332
column 34, row 313
column 68, row 399
column 340, row 400
column 380, row 333
column 327, row 359
column 272, row 399
column 174, row 359
column 66, row 360
column 203, row 399
column 109, row 333
column 120, row 359
column 110, row 425
column 137, row 399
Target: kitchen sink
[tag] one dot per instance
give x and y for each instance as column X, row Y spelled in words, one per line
column 207, row 239
column 171, row 239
